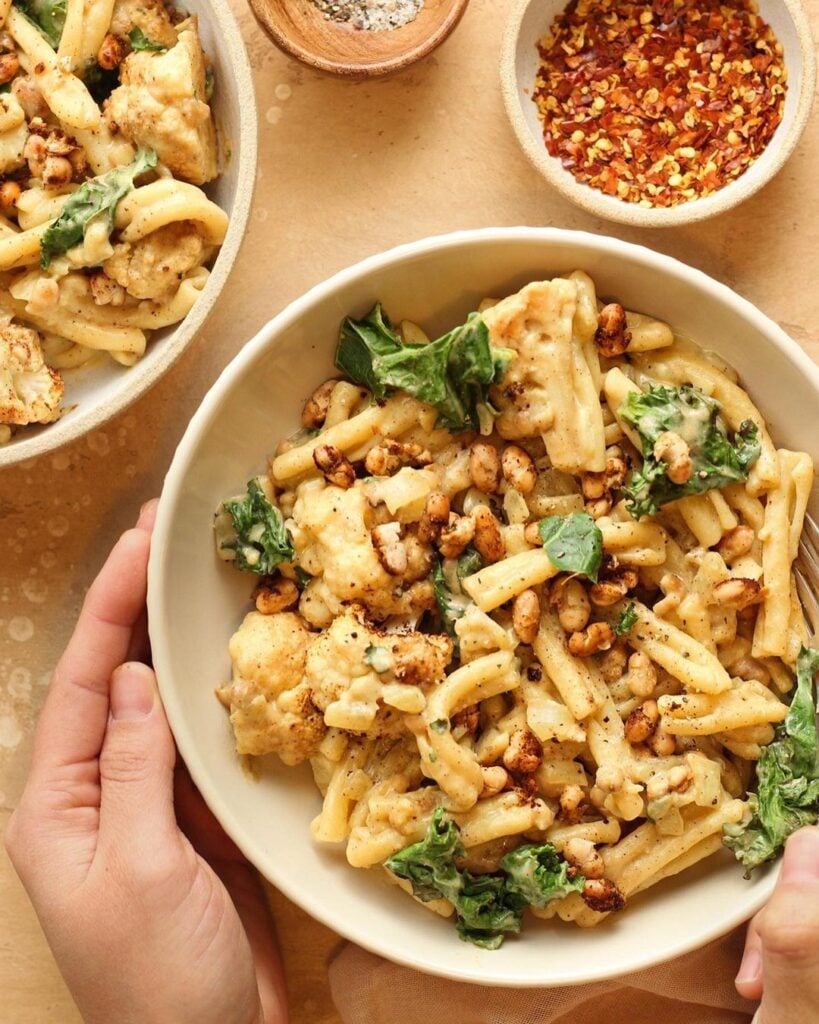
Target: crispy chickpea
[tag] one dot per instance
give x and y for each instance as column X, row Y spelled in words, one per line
column 484, row 466
column 112, row 52
column 613, row 663
column 602, row 895
column 738, row 593
column 488, row 537
column 456, row 535
column 736, row 543
column 272, row 596
column 434, row 517
column 389, row 547
column 641, row 676
column 599, row 636
column 495, row 779
column 583, row 855
column 9, row 67
column 315, row 408
column 599, row 507
column 642, row 722
column 518, row 468
column 526, row 616
column 612, row 336
column 10, row 192
column 573, row 607
column 662, row 743
column 572, row 803
column 675, row 453
column 335, row 466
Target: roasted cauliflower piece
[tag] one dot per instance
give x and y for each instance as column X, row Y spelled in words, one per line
column 356, row 672
column 152, row 267
column 161, row 106
column 332, row 530
column 30, row 391
column 271, row 708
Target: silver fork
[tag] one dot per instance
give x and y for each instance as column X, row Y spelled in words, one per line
column 806, row 573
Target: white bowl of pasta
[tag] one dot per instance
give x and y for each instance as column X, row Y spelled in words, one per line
column 585, row 741
column 127, row 162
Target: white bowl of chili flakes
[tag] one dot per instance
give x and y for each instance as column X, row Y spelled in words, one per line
column 658, row 112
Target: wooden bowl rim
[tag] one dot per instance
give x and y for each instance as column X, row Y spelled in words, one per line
column 614, row 209
column 352, row 69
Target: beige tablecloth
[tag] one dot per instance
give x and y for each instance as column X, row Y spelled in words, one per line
column 695, row 989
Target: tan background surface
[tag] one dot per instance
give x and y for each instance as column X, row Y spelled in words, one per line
column 345, row 170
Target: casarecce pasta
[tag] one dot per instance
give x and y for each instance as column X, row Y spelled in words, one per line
column 531, row 659
column 106, row 141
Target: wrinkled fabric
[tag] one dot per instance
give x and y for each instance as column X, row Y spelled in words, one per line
column 693, row 989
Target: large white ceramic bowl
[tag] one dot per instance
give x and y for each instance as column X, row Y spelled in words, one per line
column 95, row 393
column 196, row 601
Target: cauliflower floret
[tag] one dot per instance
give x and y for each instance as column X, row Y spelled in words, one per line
column 357, row 673
column 151, row 16
column 331, row 529
column 152, row 267
column 161, row 105
column 271, row 708
column 30, row 391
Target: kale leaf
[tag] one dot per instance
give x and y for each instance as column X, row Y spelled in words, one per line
column 538, row 875
column 716, row 459
column 573, row 543
column 139, row 41
column 628, row 617
column 261, row 539
column 452, row 602
column 48, row 15
column 487, row 906
column 97, row 197
column 453, row 373
column 787, row 774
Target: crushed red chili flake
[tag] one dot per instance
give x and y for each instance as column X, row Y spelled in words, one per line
column 662, row 101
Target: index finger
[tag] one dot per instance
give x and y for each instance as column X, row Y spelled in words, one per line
column 72, row 724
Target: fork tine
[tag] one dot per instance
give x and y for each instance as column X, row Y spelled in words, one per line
column 810, row 536
column 810, row 605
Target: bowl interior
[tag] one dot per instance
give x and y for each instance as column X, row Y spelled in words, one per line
column 529, row 22
column 300, row 28
column 195, row 601
column 99, row 389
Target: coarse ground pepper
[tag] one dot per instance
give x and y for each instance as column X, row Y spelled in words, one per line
column 661, row 101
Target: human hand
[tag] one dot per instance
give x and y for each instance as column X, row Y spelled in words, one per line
column 781, row 961
column 143, row 928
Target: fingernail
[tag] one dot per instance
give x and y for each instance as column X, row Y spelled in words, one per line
column 147, row 513
column 133, row 691
column 750, row 968
column 801, row 860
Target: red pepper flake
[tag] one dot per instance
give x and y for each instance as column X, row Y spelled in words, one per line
column 660, row 101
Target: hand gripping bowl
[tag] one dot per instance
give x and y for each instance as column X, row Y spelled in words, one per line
column 98, row 391
column 195, row 601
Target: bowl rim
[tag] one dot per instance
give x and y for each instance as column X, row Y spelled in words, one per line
column 614, row 209
column 159, row 613
column 349, row 68
column 142, row 376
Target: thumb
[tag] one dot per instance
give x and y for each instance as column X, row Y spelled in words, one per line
column 788, row 930
column 136, row 765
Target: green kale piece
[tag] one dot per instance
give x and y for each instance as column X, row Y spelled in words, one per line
column 452, row 373
column 787, row 795
column 537, row 874
column 628, row 617
column 260, row 538
column 48, row 15
column 139, row 41
column 573, row 543
column 716, row 459
column 489, row 906
column 98, row 197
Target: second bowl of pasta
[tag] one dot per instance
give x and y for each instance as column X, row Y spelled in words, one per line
column 127, row 153
column 514, row 636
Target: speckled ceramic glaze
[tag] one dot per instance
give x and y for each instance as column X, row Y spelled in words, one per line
column 529, row 21
column 196, row 601
column 95, row 393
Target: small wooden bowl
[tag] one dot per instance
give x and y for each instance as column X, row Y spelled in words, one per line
column 299, row 28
